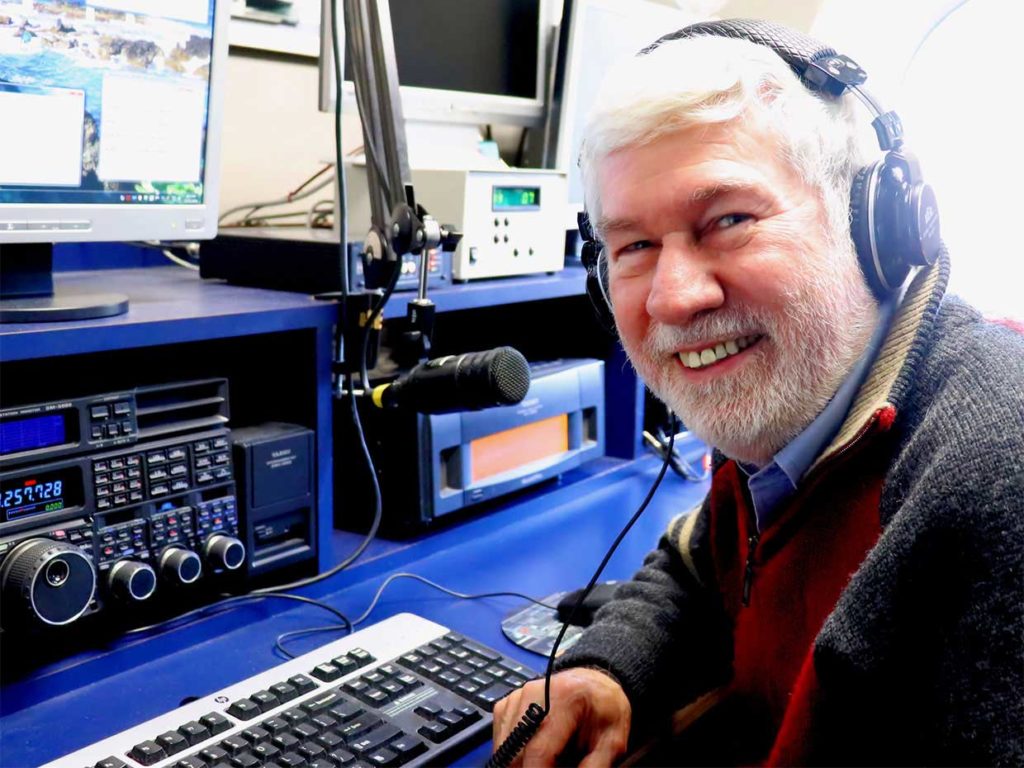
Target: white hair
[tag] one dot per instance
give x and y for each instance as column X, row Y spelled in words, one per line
column 710, row 80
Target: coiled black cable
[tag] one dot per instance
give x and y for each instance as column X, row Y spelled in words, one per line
column 522, row 733
column 527, row 727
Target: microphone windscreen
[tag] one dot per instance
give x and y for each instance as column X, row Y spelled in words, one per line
column 509, row 373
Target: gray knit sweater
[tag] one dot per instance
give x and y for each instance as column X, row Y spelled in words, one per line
column 922, row 659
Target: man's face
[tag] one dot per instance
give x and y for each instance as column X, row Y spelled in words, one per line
column 730, row 299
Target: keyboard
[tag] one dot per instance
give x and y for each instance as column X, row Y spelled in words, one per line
column 405, row 691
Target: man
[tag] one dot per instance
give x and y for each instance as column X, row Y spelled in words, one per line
column 852, row 584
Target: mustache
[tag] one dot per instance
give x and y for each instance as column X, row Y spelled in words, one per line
column 725, row 324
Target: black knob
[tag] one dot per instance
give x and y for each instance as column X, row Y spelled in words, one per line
column 223, row 551
column 131, row 580
column 180, row 566
column 46, row 581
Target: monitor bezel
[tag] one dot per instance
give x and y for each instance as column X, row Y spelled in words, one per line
column 436, row 105
column 141, row 221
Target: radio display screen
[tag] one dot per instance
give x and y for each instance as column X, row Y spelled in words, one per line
column 32, row 433
column 35, row 493
column 515, row 198
column 517, row 447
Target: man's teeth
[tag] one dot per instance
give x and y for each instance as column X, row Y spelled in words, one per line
column 718, row 352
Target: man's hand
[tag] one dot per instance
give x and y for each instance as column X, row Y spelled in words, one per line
column 585, row 704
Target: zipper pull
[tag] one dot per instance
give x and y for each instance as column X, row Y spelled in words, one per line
column 748, row 571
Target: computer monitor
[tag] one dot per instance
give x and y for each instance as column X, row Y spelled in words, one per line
column 593, row 35
column 459, row 61
column 110, row 131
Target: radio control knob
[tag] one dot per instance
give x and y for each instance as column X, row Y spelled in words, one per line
column 180, row 566
column 223, row 551
column 46, row 581
column 131, row 580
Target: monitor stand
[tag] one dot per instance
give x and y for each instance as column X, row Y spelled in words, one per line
column 28, row 295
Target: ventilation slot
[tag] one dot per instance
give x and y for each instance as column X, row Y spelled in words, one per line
column 191, row 406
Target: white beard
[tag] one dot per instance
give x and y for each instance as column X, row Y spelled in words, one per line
column 788, row 377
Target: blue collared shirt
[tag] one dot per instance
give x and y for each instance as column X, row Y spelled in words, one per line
column 771, row 485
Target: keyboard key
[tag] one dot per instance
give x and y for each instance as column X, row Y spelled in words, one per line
column 255, row 735
column 323, row 722
column 455, row 638
column 284, row 691
column 374, row 697
column 311, row 750
column 194, row 732
column 342, row 757
column 330, row 740
column 216, row 722
column 234, row 745
column 172, row 742
column 294, row 715
column 301, row 683
column 407, row 747
column 345, row 664
column 286, row 741
column 245, row 709
column 322, row 703
column 275, row 725
column 479, row 650
column 326, row 672
column 111, row 762
column 487, row 697
column 383, row 757
column 354, row 730
column 213, row 755
column 192, row 761
column 434, row 731
column 290, row 760
column 374, row 739
column 346, row 710
column 361, row 657
column 265, row 751
column 429, row 711
column 147, row 753
column 245, row 760
column 266, row 700
column 304, row 731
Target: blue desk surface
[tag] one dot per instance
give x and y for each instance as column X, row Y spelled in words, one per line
column 546, row 543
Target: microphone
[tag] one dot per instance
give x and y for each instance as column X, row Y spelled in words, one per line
column 465, row 382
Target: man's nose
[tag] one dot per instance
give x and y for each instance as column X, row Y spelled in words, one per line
column 685, row 283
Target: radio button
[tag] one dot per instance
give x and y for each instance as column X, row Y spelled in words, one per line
column 134, row 460
column 159, row 490
column 100, row 466
column 101, row 479
column 126, row 427
column 120, row 499
column 135, row 485
column 221, row 458
column 102, row 504
column 180, row 485
column 156, row 457
column 117, row 463
column 203, row 446
column 223, row 473
column 135, row 496
column 178, row 469
column 176, row 454
column 112, row 430
column 202, row 462
column 204, row 477
column 118, row 475
column 220, row 442
column 97, row 432
column 99, row 412
column 157, row 474
column 135, row 473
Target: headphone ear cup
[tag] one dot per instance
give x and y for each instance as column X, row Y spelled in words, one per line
column 862, row 202
column 597, row 290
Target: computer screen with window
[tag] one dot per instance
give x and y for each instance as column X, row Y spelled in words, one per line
column 111, row 122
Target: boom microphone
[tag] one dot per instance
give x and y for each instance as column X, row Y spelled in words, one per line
column 465, row 382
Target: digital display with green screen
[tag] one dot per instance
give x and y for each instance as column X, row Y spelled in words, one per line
column 515, row 198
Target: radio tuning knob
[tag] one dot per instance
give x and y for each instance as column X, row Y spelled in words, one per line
column 180, row 566
column 46, row 581
column 223, row 551
column 131, row 580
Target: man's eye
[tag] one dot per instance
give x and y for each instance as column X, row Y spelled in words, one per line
column 639, row 245
column 730, row 220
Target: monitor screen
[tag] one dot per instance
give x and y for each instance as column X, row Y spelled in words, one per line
column 477, row 61
column 109, row 106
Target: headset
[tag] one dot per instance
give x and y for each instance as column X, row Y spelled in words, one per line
column 894, row 216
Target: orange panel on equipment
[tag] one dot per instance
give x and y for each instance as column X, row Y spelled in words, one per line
column 513, row 448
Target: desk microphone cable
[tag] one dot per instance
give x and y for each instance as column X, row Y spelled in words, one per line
column 535, row 713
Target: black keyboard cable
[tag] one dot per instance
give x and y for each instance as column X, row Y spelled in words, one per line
column 533, row 717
